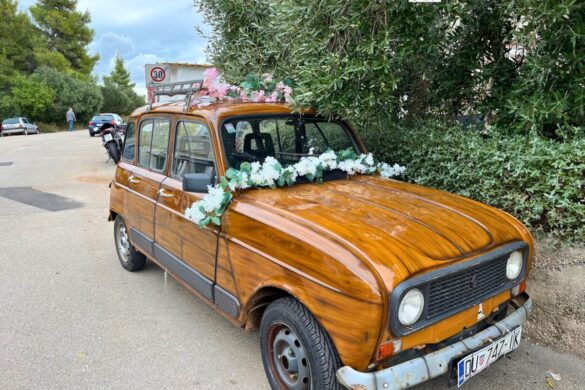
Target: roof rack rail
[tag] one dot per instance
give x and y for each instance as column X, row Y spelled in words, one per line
column 187, row 88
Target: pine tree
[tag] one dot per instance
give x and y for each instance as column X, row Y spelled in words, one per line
column 120, row 76
column 118, row 91
column 16, row 39
column 66, row 31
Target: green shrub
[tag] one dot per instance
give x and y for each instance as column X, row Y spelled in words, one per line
column 540, row 181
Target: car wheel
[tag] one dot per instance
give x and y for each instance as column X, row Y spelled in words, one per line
column 129, row 257
column 296, row 352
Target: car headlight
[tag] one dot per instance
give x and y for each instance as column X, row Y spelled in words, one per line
column 514, row 265
column 411, row 307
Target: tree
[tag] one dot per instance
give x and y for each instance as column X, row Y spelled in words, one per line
column 120, row 76
column 119, row 95
column 82, row 95
column 378, row 62
column 66, row 31
column 16, row 43
column 31, row 96
column 549, row 96
column 115, row 98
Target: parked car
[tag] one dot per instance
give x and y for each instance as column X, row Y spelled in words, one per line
column 358, row 281
column 18, row 125
column 95, row 124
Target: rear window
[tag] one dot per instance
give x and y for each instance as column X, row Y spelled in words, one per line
column 102, row 118
column 11, row 121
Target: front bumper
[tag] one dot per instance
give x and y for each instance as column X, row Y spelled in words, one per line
column 432, row 365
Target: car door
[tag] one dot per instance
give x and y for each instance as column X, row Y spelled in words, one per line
column 144, row 180
column 32, row 128
column 27, row 125
column 187, row 250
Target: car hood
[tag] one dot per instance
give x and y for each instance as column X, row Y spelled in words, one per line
column 399, row 228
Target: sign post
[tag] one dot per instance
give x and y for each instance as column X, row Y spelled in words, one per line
column 155, row 74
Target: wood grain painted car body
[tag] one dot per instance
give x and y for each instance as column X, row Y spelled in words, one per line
column 340, row 247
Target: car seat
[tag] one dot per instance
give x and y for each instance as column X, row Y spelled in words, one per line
column 259, row 145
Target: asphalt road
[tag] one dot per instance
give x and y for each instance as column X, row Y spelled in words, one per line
column 72, row 318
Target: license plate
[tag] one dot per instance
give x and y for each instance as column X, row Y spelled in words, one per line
column 108, row 137
column 474, row 363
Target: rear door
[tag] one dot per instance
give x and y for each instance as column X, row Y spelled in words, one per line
column 187, row 250
column 144, row 180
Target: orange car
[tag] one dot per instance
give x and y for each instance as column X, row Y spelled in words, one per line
column 359, row 281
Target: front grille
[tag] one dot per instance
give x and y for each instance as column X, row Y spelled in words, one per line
column 457, row 287
column 469, row 286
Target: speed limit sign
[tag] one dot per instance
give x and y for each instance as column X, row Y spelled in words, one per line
column 156, row 74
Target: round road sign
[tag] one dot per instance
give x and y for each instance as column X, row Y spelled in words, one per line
column 158, row 74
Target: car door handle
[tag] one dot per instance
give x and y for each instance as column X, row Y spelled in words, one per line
column 134, row 180
column 165, row 194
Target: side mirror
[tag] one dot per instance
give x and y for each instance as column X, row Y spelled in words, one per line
column 197, row 182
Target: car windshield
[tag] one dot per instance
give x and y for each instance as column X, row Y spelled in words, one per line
column 286, row 138
column 102, row 118
column 11, row 121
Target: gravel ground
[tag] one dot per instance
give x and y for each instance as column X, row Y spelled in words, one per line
column 557, row 286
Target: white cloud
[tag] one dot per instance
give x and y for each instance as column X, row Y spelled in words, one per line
column 112, row 42
column 136, row 64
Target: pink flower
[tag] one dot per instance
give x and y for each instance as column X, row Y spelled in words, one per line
column 244, row 96
column 222, row 90
column 258, row 96
column 267, row 77
column 287, row 90
column 280, row 85
column 210, row 74
column 273, row 98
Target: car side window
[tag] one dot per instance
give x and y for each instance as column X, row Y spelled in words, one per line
column 193, row 150
column 129, row 143
column 154, row 141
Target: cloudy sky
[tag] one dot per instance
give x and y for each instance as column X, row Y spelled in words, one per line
column 142, row 31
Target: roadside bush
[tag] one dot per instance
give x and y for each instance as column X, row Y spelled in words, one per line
column 82, row 95
column 541, row 182
column 31, row 96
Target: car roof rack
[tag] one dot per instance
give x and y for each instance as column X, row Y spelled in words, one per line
column 187, row 88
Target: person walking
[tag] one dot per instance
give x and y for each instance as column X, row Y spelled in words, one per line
column 70, row 116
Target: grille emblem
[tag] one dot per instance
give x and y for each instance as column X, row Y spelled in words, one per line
column 474, row 280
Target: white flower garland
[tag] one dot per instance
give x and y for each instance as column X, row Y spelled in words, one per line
column 271, row 174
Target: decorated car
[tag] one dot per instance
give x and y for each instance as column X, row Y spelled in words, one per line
column 283, row 222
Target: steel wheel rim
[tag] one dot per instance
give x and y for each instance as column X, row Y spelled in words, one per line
column 123, row 243
column 288, row 359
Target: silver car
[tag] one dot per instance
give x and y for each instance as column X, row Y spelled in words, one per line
column 19, row 125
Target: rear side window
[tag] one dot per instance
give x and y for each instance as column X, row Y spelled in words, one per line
column 129, row 143
column 193, row 150
column 154, row 141
column 11, row 121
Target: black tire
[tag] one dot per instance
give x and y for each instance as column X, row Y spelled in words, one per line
column 113, row 151
column 131, row 260
column 91, row 134
column 291, row 337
